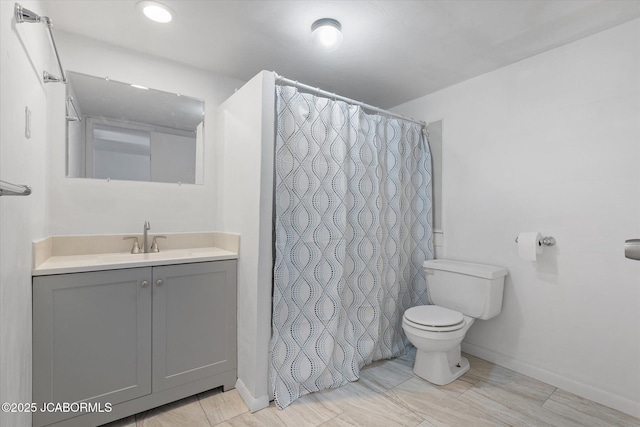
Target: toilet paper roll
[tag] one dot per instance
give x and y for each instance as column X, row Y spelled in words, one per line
column 529, row 245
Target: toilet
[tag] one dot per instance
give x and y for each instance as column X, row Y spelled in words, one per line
column 460, row 292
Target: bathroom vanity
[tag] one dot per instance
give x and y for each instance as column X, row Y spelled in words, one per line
column 123, row 332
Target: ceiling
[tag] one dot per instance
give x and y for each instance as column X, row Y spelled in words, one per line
column 393, row 51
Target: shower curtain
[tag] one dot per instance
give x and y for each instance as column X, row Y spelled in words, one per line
column 352, row 229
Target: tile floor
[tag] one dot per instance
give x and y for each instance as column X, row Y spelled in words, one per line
column 389, row 394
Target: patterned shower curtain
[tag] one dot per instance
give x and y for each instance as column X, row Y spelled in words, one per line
column 352, row 229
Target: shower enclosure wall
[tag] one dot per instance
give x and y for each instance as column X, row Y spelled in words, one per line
column 244, row 164
column 397, row 172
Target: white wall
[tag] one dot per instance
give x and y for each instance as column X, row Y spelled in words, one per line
column 552, row 144
column 87, row 206
column 245, row 168
column 60, row 205
column 24, row 53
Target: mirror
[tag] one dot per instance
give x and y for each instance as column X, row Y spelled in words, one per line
column 123, row 131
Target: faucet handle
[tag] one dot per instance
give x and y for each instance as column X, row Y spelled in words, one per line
column 154, row 243
column 136, row 245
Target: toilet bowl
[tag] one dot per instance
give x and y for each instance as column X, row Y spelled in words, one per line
column 438, row 359
column 460, row 293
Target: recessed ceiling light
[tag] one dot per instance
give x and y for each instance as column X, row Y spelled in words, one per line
column 327, row 34
column 155, row 11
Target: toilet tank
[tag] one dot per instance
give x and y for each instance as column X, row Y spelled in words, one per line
column 472, row 289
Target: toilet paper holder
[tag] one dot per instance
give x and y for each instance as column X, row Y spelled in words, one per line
column 547, row 241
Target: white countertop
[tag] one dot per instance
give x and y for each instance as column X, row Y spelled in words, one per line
column 76, row 254
column 97, row 262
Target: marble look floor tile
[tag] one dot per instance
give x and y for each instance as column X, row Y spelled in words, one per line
column 363, row 418
column 526, row 387
column 517, row 406
column 512, row 408
column 457, row 387
column 408, row 357
column 470, row 376
column 220, row 406
column 309, row 411
column 508, row 380
column 124, row 422
column 359, row 402
column 589, row 413
column 261, row 418
column 437, row 406
column 186, row 413
column 481, row 370
column 389, row 394
column 427, row 423
column 338, row 421
column 384, row 375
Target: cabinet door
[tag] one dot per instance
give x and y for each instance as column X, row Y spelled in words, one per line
column 91, row 338
column 194, row 322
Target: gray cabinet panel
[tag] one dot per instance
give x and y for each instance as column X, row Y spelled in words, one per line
column 135, row 338
column 194, row 317
column 91, row 338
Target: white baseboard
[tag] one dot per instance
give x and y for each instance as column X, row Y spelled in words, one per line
column 581, row 389
column 254, row 403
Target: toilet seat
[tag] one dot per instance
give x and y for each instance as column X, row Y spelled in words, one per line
column 434, row 318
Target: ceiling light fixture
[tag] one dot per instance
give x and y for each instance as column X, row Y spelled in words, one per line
column 155, row 11
column 327, row 34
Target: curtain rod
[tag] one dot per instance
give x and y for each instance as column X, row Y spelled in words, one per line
column 315, row 90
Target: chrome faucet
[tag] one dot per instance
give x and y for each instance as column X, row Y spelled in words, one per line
column 145, row 242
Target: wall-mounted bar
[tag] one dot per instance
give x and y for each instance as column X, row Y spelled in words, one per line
column 547, row 241
column 75, row 118
column 26, row 15
column 632, row 249
column 9, row 189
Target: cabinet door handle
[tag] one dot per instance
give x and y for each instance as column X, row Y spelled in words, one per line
column 144, row 284
column 159, row 282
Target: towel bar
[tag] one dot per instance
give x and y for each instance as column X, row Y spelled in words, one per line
column 9, row 189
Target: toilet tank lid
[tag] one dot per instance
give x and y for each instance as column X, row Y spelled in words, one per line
column 471, row 269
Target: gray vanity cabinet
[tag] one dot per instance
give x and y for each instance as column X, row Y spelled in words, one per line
column 91, row 338
column 135, row 338
column 191, row 336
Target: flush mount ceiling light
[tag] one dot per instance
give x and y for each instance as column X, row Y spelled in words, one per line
column 155, row 11
column 327, row 34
